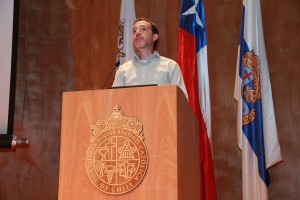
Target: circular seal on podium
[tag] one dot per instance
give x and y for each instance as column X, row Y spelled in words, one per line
column 117, row 157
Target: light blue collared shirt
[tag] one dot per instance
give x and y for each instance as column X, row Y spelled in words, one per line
column 156, row 70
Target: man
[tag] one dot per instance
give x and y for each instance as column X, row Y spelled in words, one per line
column 147, row 66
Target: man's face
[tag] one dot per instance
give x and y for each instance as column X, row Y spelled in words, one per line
column 142, row 35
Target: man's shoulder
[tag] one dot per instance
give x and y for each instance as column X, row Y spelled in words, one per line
column 167, row 60
column 126, row 64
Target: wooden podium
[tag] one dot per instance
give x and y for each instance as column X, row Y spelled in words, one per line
column 171, row 137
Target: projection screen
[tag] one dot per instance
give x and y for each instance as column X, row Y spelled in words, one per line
column 6, row 41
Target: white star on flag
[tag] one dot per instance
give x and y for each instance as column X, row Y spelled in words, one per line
column 192, row 10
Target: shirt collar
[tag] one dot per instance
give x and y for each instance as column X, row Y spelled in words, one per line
column 153, row 56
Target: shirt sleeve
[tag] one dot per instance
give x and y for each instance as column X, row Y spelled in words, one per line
column 119, row 78
column 177, row 79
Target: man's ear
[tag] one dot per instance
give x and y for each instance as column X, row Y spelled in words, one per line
column 155, row 37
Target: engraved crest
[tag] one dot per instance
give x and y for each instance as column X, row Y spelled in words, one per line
column 250, row 86
column 117, row 158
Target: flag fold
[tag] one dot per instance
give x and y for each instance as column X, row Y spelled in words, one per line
column 125, row 45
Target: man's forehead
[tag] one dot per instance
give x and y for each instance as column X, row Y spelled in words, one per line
column 142, row 23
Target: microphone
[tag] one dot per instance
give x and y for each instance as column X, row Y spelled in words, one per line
column 115, row 66
column 11, row 141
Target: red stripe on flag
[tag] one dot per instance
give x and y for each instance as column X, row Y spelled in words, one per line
column 187, row 60
column 188, row 63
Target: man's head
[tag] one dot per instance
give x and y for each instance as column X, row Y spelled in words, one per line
column 145, row 34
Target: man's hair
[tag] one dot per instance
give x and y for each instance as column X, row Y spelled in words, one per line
column 153, row 28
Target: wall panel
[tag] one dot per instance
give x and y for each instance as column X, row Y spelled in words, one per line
column 44, row 71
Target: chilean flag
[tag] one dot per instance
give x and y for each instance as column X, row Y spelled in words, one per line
column 192, row 58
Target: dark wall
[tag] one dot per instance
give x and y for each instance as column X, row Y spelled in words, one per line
column 44, row 71
column 71, row 44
